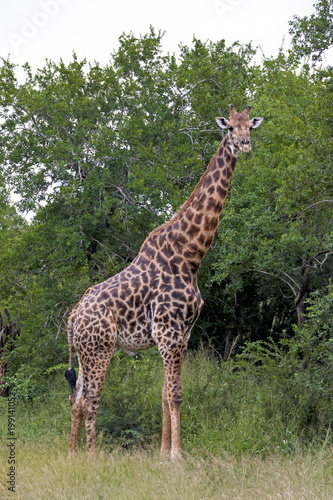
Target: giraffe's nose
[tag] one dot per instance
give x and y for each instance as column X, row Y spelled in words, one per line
column 245, row 145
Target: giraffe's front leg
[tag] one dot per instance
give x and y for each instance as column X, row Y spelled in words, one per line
column 175, row 400
column 90, row 424
column 166, row 428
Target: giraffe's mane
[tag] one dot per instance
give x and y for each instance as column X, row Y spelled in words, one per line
column 188, row 202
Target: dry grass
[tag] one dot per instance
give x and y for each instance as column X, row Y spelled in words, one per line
column 44, row 472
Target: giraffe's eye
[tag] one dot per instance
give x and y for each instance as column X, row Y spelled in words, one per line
column 231, row 129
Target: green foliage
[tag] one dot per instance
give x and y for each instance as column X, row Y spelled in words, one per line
column 130, row 411
column 313, row 34
column 298, row 373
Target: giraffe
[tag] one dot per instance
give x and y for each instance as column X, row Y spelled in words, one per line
column 156, row 299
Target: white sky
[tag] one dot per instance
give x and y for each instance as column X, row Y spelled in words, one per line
column 33, row 30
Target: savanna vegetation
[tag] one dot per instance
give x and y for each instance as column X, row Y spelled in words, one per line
column 95, row 158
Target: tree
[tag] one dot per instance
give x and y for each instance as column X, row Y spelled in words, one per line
column 313, row 35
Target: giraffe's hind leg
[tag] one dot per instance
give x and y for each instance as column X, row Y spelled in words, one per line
column 75, row 432
column 95, row 349
column 76, row 415
column 93, row 385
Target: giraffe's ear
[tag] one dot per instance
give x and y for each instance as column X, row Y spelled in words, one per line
column 222, row 122
column 256, row 122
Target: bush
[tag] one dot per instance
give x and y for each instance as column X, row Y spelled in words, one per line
column 130, row 411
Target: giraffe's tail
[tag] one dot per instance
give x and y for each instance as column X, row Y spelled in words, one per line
column 70, row 374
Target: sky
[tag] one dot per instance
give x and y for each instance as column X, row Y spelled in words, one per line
column 35, row 30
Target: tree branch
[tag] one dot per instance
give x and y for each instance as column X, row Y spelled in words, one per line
column 279, row 278
column 34, row 121
column 317, row 203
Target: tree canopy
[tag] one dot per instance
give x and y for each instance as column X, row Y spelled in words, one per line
column 313, row 35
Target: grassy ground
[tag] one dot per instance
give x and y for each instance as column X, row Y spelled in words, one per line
column 44, row 472
column 246, row 434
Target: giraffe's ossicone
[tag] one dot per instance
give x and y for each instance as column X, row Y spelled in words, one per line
column 156, row 299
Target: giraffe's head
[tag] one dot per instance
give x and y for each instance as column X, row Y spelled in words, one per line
column 239, row 126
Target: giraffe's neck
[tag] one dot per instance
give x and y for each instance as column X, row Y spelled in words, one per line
column 194, row 226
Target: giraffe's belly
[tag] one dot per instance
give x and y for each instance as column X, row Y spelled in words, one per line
column 131, row 346
column 134, row 337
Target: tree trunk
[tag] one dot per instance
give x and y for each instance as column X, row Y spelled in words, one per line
column 7, row 335
column 302, row 296
column 227, row 345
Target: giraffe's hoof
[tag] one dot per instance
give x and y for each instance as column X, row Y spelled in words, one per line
column 165, row 454
column 176, row 456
